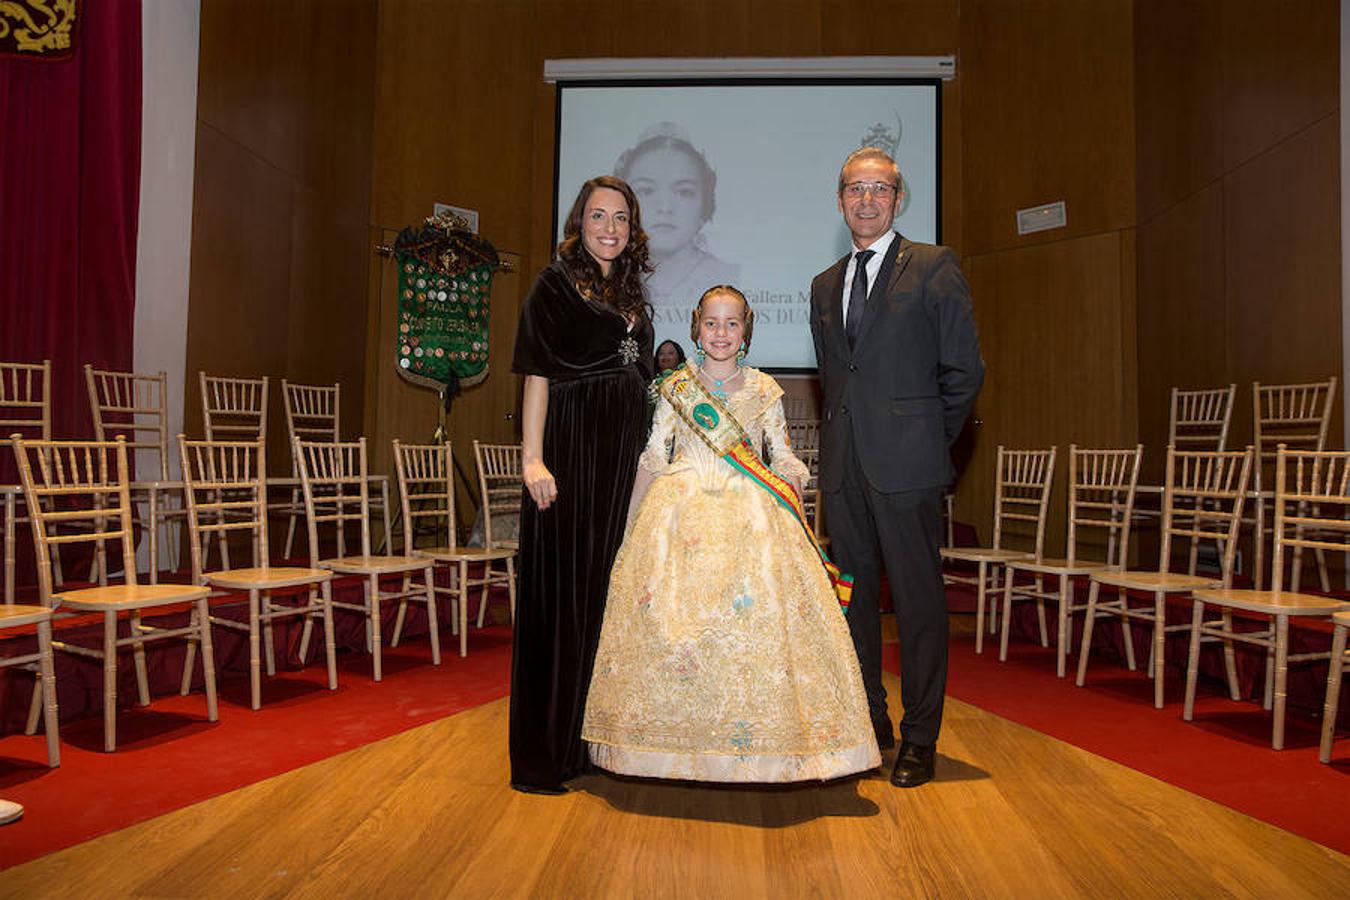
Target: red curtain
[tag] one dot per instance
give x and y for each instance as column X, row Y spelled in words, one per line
column 70, row 158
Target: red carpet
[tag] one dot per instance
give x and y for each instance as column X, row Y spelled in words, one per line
column 1223, row 755
column 169, row 756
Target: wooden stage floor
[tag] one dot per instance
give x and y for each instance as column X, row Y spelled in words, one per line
column 428, row 813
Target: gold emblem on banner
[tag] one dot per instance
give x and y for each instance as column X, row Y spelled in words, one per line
column 37, row 28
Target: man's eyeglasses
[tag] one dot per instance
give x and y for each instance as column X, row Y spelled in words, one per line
column 880, row 189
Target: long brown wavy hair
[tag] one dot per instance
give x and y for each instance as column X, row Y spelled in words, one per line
column 623, row 289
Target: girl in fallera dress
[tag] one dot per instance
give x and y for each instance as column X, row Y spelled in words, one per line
column 724, row 655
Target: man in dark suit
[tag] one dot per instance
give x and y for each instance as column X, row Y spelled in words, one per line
column 900, row 366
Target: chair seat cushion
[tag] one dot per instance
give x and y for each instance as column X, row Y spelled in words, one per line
column 367, row 565
column 267, row 577
column 1057, row 566
column 1157, row 581
column 469, row 554
column 984, row 554
column 128, row 596
column 13, row 615
column 1274, row 602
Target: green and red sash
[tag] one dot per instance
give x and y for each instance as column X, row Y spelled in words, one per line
column 713, row 422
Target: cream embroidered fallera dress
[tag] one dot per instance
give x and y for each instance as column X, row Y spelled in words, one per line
column 724, row 655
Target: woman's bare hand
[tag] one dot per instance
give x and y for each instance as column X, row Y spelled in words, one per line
column 539, row 482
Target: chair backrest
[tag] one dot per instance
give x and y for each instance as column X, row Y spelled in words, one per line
column 133, row 405
column 226, row 488
column 234, row 409
column 500, row 483
column 426, row 487
column 76, row 481
column 1199, row 419
column 333, row 476
column 810, row 457
column 1312, row 505
column 26, row 399
column 1202, row 501
column 1101, row 498
column 312, row 411
column 1296, row 415
column 803, row 434
column 1022, row 491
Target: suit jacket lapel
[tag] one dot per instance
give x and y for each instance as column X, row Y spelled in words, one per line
column 892, row 266
column 834, row 308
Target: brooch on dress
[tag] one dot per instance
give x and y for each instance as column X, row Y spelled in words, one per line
column 628, row 351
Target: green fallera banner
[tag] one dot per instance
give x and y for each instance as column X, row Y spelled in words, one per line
column 444, row 284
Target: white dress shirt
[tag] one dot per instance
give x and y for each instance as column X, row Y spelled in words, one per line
column 880, row 245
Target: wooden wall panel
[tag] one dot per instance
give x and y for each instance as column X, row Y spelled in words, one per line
column 1182, row 312
column 1282, row 265
column 1178, row 116
column 1281, row 69
column 278, row 283
column 1048, row 114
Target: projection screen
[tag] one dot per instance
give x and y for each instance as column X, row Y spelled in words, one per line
column 737, row 184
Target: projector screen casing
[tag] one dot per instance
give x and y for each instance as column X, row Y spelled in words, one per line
column 775, row 146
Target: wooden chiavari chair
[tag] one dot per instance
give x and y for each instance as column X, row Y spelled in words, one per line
column 21, row 615
column 1202, row 500
column 810, row 457
column 86, row 482
column 1101, row 499
column 1021, row 494
column 226, row 487
column 1297, row 416
column 313, row 413
column 427, row 488
column 1338, row 662
column 233, row 409
column 1199, row 420
column 1312, row 500
column 134, row 406
column 26, row 410
column 500, row 486
column 336, row 486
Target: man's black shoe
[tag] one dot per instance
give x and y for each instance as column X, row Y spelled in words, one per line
column 914, row 765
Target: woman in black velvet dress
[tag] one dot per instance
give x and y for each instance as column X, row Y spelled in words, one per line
column 585, row 347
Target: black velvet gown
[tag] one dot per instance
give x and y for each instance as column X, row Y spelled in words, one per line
column 594, row 431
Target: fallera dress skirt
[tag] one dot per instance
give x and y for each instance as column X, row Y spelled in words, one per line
column 724, row 654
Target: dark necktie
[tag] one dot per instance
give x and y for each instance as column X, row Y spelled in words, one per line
column 857, row 295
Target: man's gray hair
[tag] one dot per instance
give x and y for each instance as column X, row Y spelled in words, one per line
column 871, row 153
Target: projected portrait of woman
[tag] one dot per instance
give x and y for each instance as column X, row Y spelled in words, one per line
column 677, row 189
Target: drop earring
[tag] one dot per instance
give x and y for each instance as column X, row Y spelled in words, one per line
column 740, row 355
column 698, row 352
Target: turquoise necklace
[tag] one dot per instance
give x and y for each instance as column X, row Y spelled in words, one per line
column 719, row 384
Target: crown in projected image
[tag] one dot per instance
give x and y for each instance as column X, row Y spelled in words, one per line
column 882, row 138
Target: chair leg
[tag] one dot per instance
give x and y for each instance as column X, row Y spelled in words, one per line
column 138, row 656
column 47, row 682
column 979, row 609
column 398, row 618
column 373, row 623
column 254, row 662
column 432, row 621
column 1007, row 614
column 1258, row 545
column 1193, row 658
column 190, row 659
column 1281, row 676
column 329, row 647
column 1230, row 658
column 34, row 706
column 305, row 631
column 1091, row 616
column 511, row 586
column 1268, row 696
column 1062, row 644
column 1159, row 639
column 1333, row 693
column 290, row 526
column 462, row 604
column 208, row 660
column 269, row 646
column 1040, row 610
column 485, row 592
column 1126, row 632
column 1323, row 575
column 109, row 681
